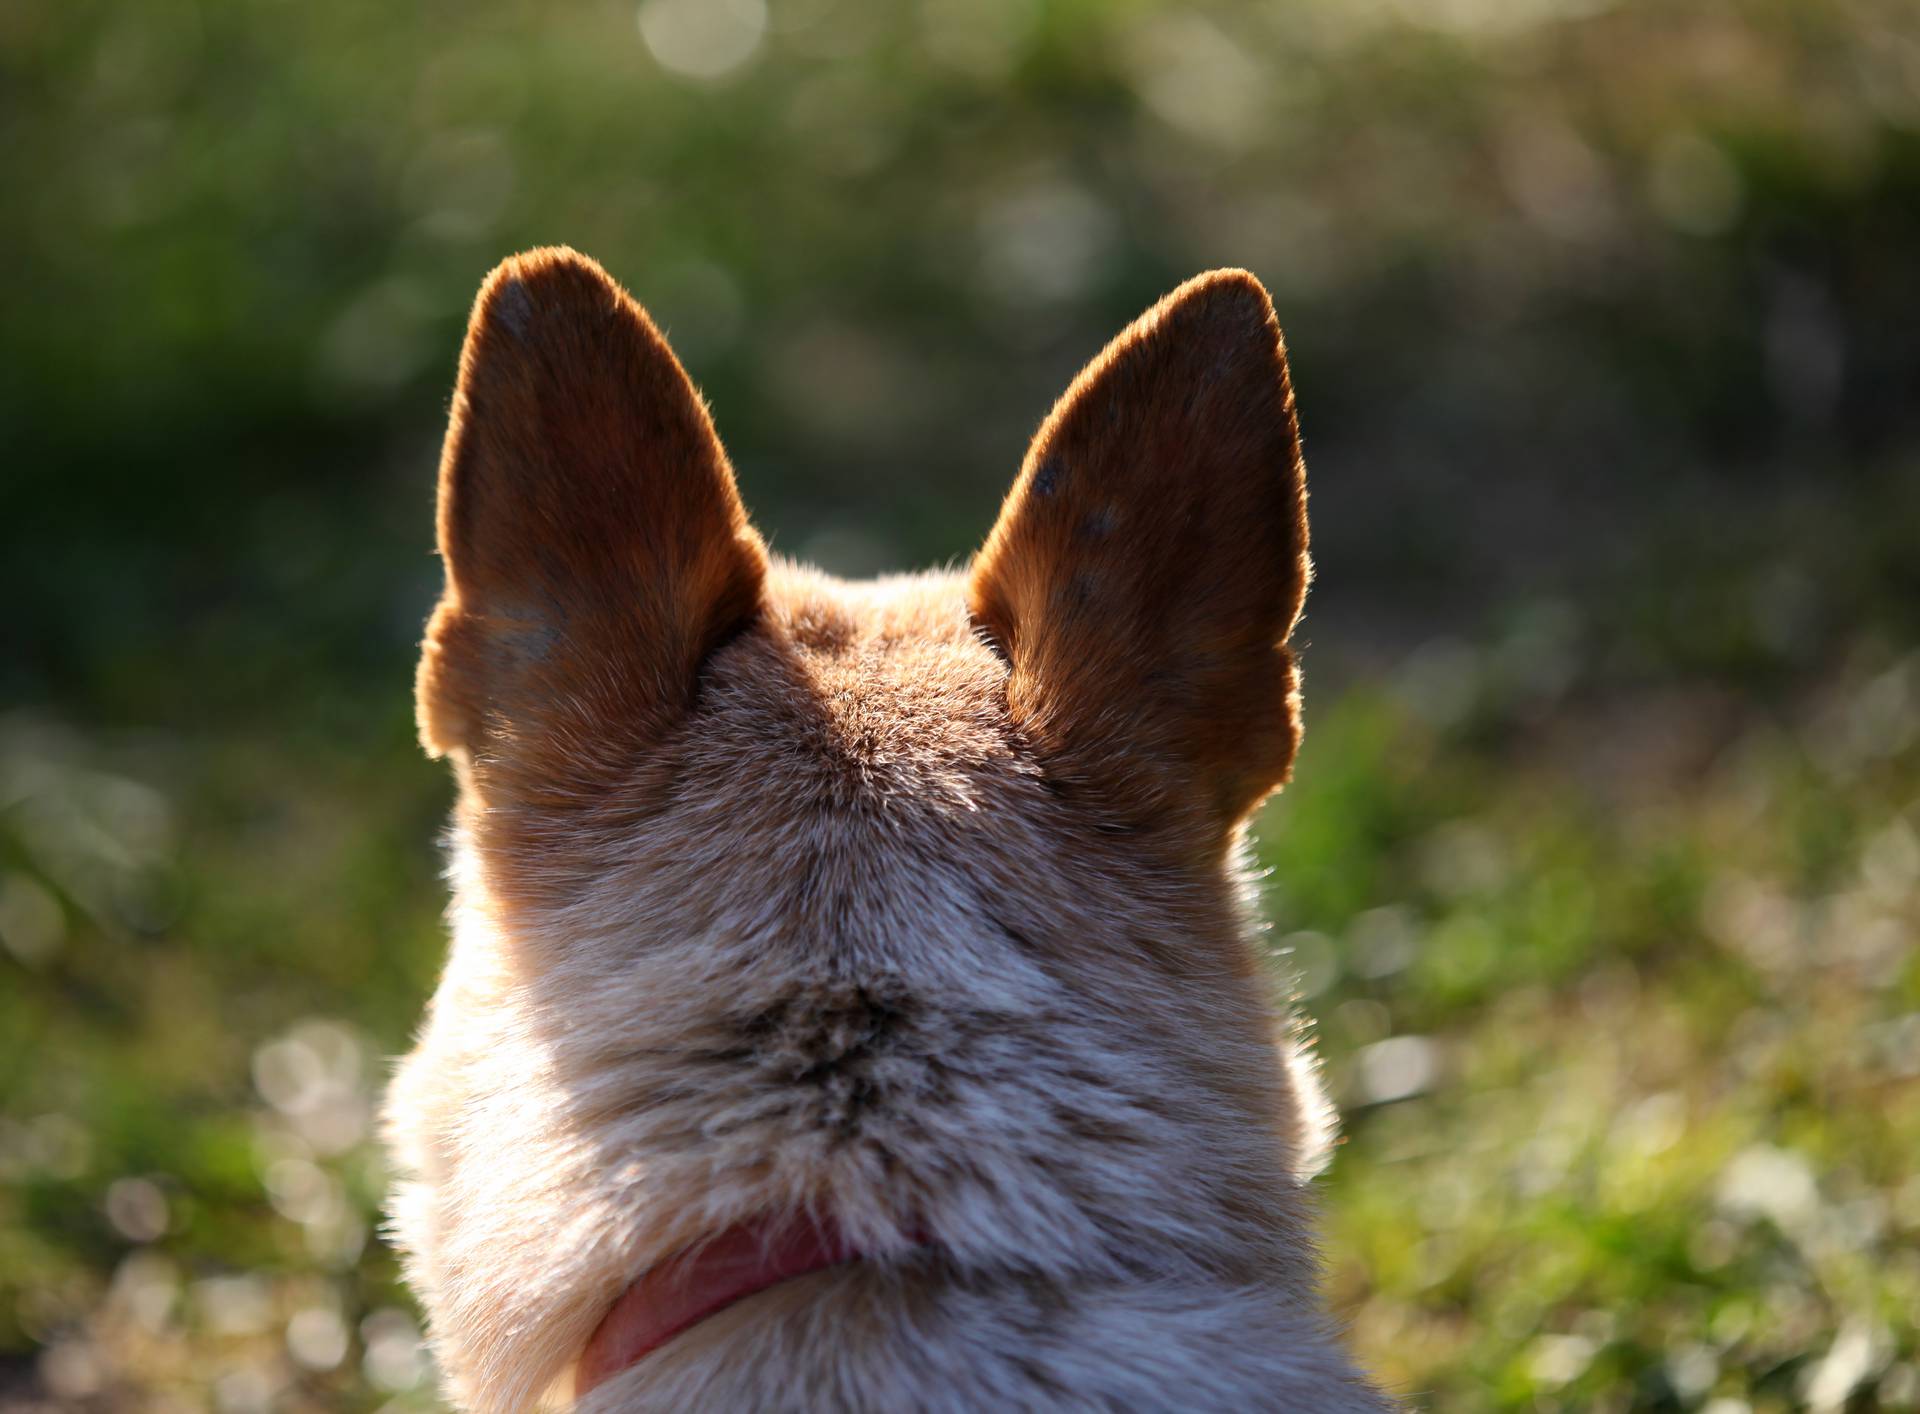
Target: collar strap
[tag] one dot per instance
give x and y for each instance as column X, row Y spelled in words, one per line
column 703, row 1279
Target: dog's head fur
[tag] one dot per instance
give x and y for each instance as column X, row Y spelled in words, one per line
column 912, row 905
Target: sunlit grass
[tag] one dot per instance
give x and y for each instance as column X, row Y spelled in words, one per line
column 1630, row 1066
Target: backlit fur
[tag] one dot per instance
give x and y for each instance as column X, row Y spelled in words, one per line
column 915, row 904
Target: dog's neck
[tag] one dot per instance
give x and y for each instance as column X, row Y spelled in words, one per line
column 701, row 1280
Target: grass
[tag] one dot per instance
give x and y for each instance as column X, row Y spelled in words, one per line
column 1628, row 1060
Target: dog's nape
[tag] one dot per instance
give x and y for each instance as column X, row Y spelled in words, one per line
column 1013, row 794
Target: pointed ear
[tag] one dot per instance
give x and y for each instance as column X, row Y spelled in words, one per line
column 1150, row 562
column 596, row 549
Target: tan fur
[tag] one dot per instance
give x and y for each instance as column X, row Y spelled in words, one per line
column 915, row 903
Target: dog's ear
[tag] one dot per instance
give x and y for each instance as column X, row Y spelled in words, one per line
column 596, row 549
column 1151, row 560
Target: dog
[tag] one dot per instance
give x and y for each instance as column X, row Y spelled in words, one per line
column 853, row 1001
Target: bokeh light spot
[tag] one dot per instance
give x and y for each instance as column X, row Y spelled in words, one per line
column 702, row 39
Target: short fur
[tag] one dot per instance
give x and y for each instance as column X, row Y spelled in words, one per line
column 915, row 903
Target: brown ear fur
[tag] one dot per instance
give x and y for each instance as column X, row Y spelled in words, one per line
column 1151, row 560
column 596, row 549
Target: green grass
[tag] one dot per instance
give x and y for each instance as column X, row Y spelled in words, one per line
column 1661, row 1142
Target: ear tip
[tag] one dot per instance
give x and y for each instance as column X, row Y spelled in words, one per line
column 527, row 289
column 1230, row 282
column 1225, row 294
column 553, row 267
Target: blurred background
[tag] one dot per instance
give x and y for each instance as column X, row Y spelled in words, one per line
column 1600, row 868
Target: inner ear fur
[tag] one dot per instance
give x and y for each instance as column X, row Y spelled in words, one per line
column 1151, row 560
column 595, row 546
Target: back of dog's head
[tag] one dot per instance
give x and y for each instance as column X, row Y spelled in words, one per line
column 911, row 905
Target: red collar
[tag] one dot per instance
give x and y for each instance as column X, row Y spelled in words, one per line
column 697, row 1281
